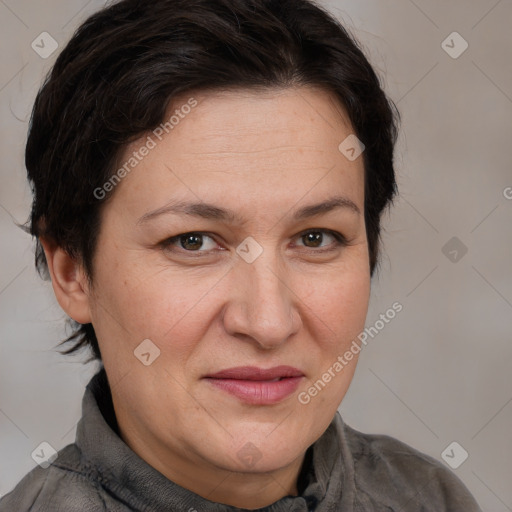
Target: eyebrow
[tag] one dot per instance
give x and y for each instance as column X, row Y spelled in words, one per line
column 213, row 212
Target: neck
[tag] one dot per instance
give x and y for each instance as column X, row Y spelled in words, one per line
column 237, row 489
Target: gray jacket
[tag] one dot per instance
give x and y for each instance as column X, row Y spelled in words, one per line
column 345, row 470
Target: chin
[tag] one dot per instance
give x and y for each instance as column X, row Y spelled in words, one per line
column 263, row 452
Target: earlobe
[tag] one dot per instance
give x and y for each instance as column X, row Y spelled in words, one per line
column 69, row 282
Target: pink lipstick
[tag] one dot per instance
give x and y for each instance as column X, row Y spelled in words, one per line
column 258, row 386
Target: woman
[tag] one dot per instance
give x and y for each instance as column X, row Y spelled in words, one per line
column 209, row 177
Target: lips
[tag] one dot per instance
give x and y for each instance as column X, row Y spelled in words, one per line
column 257, row 386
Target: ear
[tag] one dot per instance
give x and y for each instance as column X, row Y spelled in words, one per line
column 69, row 282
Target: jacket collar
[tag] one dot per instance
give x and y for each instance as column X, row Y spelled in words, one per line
column 108, row 459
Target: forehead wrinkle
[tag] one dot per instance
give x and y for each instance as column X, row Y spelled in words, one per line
column 276, row 148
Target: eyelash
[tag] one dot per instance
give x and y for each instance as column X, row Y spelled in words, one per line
column 340, row 241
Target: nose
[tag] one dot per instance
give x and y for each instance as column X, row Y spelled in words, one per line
column 262, row 306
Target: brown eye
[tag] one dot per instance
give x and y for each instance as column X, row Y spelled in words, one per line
column 190, row 242
column 314, row 238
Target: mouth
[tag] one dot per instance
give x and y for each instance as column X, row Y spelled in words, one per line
column 257, row 386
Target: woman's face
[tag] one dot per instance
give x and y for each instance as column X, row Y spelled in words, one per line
column 247, row 290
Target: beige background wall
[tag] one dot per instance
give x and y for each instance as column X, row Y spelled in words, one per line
column 441, row 370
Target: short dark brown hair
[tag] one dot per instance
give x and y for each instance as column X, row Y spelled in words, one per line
column 115, row 78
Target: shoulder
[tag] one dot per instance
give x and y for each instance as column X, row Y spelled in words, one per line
column 62, row 487
column 389, row 472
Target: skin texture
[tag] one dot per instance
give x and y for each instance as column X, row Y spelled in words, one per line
column 262, row 154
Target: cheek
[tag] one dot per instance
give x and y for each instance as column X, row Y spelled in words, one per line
column 171, row 307
column 338, row 304
column 337, row 316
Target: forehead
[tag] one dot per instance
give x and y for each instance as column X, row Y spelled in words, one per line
column 280, row 143
column 242, row 117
